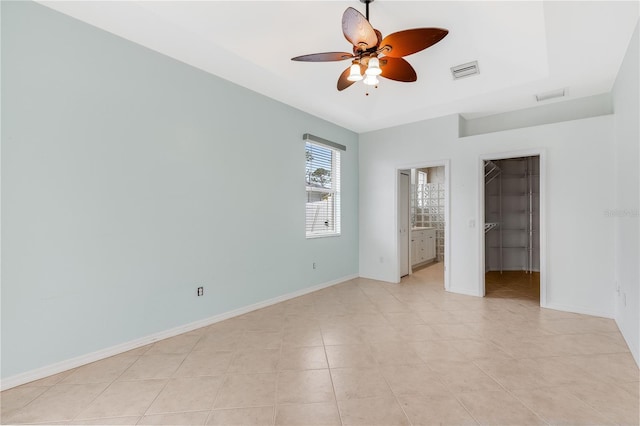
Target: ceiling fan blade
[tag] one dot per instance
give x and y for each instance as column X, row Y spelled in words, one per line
column 358, row 30
column 343, row 83
column 397, row 69
column 407, row 42
column 324, row 57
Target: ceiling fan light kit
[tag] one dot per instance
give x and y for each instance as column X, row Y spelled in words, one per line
column 354, row 73
column 371, row 80
column 368, row 44
column 374, row 67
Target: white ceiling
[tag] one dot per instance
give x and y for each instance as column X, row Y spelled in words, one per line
column 522, row 47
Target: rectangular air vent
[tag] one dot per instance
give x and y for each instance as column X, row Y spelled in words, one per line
column 465, row 70
column 550, row 95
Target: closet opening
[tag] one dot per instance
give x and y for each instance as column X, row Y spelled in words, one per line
column 512, row 228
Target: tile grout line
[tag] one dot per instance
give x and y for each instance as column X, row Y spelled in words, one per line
column 168, row 379
column 333, row 387
column 511, row 394
column 453, row 394
column 394, row 395
column 223, row 379
column 225, row 376
column 110, row 383
column 278, row 371
column 378, row 365
column 30, row 402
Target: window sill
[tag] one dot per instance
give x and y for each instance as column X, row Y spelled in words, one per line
column 313, row 237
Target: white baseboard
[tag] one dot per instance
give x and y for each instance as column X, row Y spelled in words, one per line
column 578, row 310
column 59, row 367
column 463, row 292
column 572, row 309
column 635, row 351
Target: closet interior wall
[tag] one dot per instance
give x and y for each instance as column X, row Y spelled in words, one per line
column 512, row 214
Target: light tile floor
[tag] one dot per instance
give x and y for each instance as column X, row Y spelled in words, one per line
column 359, row 353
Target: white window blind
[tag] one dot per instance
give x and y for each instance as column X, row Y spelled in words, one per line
column 322, row 182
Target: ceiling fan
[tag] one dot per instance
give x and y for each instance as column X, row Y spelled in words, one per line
column 368, row 44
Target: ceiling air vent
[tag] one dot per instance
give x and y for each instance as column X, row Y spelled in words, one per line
column 465, row 70
column 550, row 95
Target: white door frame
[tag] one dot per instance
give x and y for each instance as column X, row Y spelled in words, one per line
column 541, row 152
column 407, row 231
column 447, row 219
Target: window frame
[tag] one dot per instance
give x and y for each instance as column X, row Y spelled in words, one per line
column 335, row 191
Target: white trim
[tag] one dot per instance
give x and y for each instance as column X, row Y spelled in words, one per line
column 335, row 191
column 480, row 292
column 542, row 153
column 625, row 335
column 447, row 225
column 312, row 236
column 463, row 292
column 319, row 189
column 59, row 367
column 578, row 310
column 406, row 172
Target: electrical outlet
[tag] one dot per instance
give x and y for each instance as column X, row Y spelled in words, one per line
column 200, row 291
column 314, row 265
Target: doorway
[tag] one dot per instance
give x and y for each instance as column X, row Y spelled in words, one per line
column 512, row 228
column 423, row 210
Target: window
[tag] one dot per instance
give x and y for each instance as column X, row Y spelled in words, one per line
column 422, row 185
column 322, row 182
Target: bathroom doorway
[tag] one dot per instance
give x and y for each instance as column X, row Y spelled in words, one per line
column 423, row 211
column 427, row 216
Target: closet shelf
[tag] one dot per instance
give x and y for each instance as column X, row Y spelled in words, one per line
column 517, row 175
column 489, row 226
column 519, row 212
column 513, row 194
column 511, row 247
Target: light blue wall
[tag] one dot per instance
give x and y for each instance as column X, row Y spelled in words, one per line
column 129, row 179
column 626, row 97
